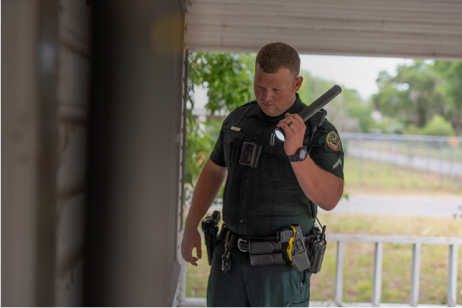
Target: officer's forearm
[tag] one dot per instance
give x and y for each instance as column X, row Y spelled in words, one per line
column 207, row 187
column 320, row 186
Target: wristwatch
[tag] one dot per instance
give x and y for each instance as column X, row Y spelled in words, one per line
column 300, row 155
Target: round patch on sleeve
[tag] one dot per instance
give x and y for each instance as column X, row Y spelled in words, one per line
column 333, row 141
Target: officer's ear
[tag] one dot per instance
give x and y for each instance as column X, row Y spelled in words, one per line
column 298, row 83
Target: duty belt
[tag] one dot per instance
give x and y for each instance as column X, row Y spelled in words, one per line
column 262, row 250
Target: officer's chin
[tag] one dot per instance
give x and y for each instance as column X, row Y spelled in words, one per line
column 268, row 109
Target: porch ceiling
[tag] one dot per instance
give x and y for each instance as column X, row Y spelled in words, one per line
column 428, row 29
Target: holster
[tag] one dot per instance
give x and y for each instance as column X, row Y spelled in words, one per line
column 210, row 229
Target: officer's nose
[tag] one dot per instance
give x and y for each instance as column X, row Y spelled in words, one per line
column 267, row 95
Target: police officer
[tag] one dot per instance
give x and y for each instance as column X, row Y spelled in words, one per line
column 260, row 201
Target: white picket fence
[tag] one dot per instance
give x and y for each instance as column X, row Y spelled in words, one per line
column 379, row 241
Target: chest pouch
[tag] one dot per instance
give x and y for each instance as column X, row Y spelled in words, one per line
column 250, row 154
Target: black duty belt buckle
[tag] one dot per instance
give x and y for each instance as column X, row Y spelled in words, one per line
column 250, row 154
column 243, row 245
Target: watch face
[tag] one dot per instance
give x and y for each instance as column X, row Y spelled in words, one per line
column 303, row 154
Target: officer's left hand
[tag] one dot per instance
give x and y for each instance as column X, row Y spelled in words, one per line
column 294, row 133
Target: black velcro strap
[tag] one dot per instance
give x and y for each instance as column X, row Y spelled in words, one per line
column 260, row 248
column 268, row 259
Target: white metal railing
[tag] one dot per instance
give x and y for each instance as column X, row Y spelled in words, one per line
column 379, row 240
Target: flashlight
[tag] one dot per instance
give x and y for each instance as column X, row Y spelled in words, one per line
column 311, row 110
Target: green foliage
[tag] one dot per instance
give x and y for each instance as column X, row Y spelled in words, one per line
column 438, row 126
column 410, row 95
column 200, row 139
column 419, row 91
column 229, row 79
column 389, row 125
column 450, row 88
column 412, row 129
column 360, row 110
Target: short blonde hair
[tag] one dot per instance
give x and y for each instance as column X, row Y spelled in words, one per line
column 276, row 55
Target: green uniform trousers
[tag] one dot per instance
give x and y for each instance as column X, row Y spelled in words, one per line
column 246, row 285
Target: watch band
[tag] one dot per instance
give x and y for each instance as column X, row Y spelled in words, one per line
column 300, row 155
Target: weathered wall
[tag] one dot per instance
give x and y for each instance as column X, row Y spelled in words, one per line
column 29, row 141
column 44, row 136
column 73, row 99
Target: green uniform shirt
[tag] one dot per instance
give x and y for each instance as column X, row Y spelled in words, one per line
column 260, row 201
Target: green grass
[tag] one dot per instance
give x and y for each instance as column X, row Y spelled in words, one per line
column 370, row 177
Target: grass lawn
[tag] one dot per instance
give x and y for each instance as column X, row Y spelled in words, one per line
column 381, row 178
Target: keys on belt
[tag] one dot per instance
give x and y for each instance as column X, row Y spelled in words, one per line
column 225, row 259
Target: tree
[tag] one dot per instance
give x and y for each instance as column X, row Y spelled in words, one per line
column 437, row 126
column 410, row 96
column 450, row 87
column 228, row 77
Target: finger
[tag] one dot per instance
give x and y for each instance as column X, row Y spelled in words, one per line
column 294, row 118
column 186, row 253
column 287, row 130
column 287, row 122
column 297, row 118
column 193, row 261
column 187, row 257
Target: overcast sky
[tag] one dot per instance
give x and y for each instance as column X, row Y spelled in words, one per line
column 357, row 73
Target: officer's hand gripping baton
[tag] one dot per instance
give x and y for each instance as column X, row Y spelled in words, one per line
column 312, row 109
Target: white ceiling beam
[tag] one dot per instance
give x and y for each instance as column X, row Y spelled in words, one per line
column 319, row 23
column 432, row 29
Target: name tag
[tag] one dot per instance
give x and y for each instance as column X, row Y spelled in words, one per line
column 236, row 128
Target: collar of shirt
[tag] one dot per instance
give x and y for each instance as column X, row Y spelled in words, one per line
column 257, row 112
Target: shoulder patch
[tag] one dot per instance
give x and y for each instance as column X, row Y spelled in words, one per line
column 333, row 141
